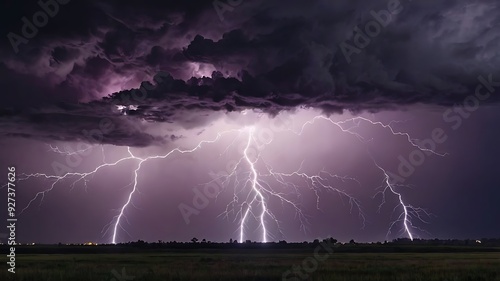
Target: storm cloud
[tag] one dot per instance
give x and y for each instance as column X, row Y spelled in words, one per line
column 87, row 64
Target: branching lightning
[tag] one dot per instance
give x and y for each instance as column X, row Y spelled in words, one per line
column 254, row 186
column 83, row 176
column 255, row 182
column 408, row 211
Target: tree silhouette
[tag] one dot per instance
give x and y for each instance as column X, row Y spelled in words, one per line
column 194, row 240
column 330, row 240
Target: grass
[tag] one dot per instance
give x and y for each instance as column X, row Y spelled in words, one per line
column 246, row 265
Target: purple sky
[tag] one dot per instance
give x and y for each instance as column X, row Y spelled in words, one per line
column 258, row 71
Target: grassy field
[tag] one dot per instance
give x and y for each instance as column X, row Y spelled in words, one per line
column 243, row 265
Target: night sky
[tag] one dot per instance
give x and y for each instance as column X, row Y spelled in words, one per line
column 364, row 120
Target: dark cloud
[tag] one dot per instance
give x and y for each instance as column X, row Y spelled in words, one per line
column 267, row 55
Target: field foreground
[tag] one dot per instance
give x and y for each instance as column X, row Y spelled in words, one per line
column 255, row 264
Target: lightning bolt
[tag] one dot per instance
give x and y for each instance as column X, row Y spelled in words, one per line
column 83, row 176
column 408, row 211
column 68, row 152
column 263, row 185
column 136, row 173
column 256, row 182
column 356, row 122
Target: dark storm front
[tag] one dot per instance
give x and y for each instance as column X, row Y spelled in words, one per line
column 11, row 221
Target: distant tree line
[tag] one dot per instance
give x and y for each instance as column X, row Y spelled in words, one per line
column 397, row 245
column 196, row 243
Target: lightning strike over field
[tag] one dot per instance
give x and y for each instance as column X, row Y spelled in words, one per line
column 259, row 185
column 83, row 176
column 408, row 211
column 255, row 182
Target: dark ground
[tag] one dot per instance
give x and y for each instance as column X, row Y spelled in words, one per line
column 255, row 261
